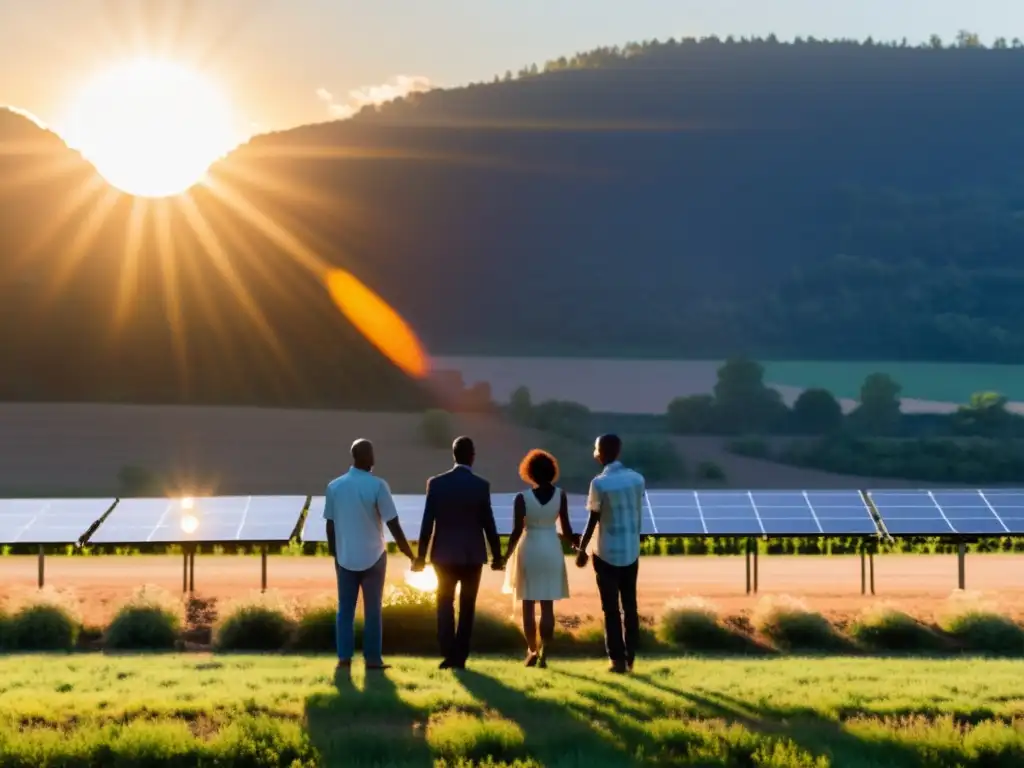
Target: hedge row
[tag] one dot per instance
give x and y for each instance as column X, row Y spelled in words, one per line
column 152, row 621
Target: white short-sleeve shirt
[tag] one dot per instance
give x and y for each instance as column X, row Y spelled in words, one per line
column 359, row 503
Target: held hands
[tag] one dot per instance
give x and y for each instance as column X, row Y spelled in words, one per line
column 498, row 564
column 581, row 558
column 418, row 564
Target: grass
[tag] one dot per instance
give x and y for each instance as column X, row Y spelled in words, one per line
column 271, row 711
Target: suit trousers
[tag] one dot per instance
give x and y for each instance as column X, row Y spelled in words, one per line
column 617, row 585
column 455, row 642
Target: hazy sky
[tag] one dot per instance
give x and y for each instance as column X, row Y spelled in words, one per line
column 274, row 56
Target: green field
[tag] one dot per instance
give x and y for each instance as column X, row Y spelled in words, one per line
column 944, row 382
column 270, row 711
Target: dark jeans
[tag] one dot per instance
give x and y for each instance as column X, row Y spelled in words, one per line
column 617, row 584
column 371, row 582
column 454, row 642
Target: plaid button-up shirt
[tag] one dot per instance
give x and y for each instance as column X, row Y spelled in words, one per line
column 617, row 496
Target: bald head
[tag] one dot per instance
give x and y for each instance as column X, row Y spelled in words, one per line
column 362, row 455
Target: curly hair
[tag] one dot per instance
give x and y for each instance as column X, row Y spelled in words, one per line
column 538, row 467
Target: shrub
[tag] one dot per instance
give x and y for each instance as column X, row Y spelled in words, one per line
column 977, row 627
column 263, row 623
column 754, row 447
column 656, row 459
column 47, row 623
column 5, row 629
column 709, row 470
column 693, row 623
column 791, row 625
column 150, row 620
column 315, row 628
column 436, row 428
column 885, row 628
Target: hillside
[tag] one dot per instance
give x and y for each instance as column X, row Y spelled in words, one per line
column 812, row 200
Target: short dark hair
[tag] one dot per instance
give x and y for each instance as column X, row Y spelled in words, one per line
column 538, row 467
column 463, row 449
column 610, row 445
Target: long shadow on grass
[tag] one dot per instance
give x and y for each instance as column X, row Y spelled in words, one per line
column 809, row 730
column 368, row 726
column 551, row 730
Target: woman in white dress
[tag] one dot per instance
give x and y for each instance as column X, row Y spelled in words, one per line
column 535, row 570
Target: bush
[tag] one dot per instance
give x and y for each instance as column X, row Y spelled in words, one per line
column 46, row 624
column 5, row 629
column 791, row 625
column 260, row 624
column 315, row 629
column 709, row 470
column 436, row 428
column 657, row 460
column 693, row 624
column 754, row 447
column 978, row 629
column 888, row 629
column 150, row 620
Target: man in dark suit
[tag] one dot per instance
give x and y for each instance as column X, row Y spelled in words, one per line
column 458, row 517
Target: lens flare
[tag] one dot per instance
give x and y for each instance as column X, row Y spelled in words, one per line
column 187, row 502
column 378, row 322
column 189, row 524
column 423, row 581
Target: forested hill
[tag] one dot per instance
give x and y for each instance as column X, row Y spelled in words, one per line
column 808, row 200
column 828, row 200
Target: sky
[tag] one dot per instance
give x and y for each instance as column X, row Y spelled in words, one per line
column 289, row 62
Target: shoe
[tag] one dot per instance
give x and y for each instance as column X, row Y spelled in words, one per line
column 344, row 664
column 617, row 668
column 382, row 666
column 445, row 664
column 542, row 661
column 629, row 664
column 531, row 659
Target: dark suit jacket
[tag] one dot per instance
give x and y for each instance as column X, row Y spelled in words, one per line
column 459, row 518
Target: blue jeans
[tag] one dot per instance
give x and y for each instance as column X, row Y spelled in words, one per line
column 371, row 581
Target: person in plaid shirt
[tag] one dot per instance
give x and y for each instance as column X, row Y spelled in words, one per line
column 615, row 503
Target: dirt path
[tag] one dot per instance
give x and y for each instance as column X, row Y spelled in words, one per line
column 920, row 584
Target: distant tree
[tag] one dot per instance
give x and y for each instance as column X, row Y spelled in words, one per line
column 520, row 406
column 1000, row 44
column 743, row 402
column 1017, row 43
column 656, row 459
column 985, row 414
column 709, row 470
column 965, row 39
column 935, row 42
column 879, row 409
column 436, row 428
column 694, row 414
column 564, row 418
column 817, row 412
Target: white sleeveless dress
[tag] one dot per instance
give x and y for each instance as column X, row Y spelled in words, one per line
column 536, row 570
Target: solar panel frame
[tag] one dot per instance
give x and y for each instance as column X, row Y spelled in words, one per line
column 39, row 522
column 950, row 512
column 759, row 513
column 222, row 520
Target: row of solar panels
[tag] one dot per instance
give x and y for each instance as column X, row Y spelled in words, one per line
column 273, row 519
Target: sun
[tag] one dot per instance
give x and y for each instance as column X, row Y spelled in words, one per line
column 151, row 127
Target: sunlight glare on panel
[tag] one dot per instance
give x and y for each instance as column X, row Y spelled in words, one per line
column 378, row 322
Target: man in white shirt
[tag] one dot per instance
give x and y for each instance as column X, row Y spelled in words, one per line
column 356, row 506
column 615, row 503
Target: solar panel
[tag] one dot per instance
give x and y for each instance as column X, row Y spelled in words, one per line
column 757, row 513
column 207, row 520
column 946, row 512
column 49, row 521
column 410, row 514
